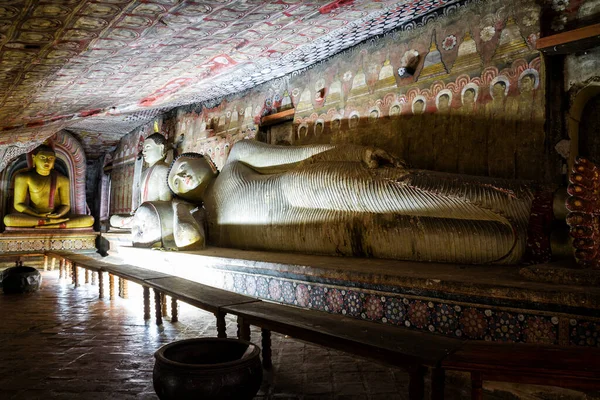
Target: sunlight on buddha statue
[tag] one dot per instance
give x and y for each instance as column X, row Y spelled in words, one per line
column 160, row 221
column 354, row 201
column 42, row 197
column 154, row 178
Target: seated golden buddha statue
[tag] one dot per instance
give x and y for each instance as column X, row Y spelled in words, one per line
column 355, row 201
column 42, row 197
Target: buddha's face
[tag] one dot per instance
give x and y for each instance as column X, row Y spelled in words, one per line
column 498, row 90
column 527, row 83
column 418, row 107
column 469, row 97
column 189, row 176
column 443, row 103
column 44, row 162
column 153, row 152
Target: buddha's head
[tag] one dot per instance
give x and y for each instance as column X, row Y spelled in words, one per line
column 498, row 90
column 189, row 176
column 469, row 96
column 43, row 159
column 527, row 83
column 444, row 103
column 154, row 149
column 418, row 107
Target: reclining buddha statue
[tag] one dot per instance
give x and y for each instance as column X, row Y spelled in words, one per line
column 355, row 201
column 42, row 197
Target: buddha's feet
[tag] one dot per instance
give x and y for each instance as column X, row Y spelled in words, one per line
column 54, row 223
column 584, row 212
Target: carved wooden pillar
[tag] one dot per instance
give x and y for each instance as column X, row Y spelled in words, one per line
column 221, row 327
column 61, row 268
column 266, row 348
column 146, row 302
column 111, row 286
column 163, row 302
column 52, row 264
column 68, row 270
column 125, row 289
column 476, row 386
column 87, row 276
column 75, row 275
column 157, row 306
column 174, row 312
column 94, row 276
column 438, row 377
column 100, row 284
column 120, row 290
column 416, row 384
column 243, row 329
column 45, row 263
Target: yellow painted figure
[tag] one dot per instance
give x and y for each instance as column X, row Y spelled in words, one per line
column 41, row 197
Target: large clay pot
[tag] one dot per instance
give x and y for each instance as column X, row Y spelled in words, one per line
column 207, row 368
column 21, row 279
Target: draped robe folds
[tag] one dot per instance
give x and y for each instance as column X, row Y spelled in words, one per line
column 323, row 199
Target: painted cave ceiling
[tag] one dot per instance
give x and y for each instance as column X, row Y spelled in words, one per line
column 101, row 68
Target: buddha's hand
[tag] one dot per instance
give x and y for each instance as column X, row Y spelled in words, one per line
column 53, row 215
column 375, row 158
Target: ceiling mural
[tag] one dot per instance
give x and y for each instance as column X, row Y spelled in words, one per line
column 100, row 68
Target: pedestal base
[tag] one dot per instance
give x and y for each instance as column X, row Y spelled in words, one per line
column 39, row 240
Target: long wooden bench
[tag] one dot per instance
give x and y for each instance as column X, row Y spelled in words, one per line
column 568, row 367
column 396, row 346
column 412, row 351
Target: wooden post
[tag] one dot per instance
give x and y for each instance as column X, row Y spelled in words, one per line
column 438, row 377
column 94, row 275
column 174, row 312
column 416, row 384
column 45, row 263
column 111, row 286
column 75, row 275
column 120, row 291
column 100, row 284
column 146, row 302
column 87, row 276
column 243, row 329
column 476, row 386
column 221, row 327
column 52, row 264
column 163, row 302
column 157, row 306
column 266, row 348
column 125, row 289
column 61, row 268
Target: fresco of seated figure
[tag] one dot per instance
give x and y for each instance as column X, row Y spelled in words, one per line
column 42, row 197
column 355, row 201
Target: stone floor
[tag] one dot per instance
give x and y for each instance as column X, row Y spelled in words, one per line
column 65, row 343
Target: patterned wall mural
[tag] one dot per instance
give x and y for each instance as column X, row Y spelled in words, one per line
column 474, row 105
column 106, row 66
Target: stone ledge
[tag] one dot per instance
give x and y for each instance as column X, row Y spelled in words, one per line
column 40, row 240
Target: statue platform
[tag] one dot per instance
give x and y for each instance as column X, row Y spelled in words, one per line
column 26, row 240
column 493, row 303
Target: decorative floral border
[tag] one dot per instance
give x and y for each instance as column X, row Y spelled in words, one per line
column 449, row 318
column 21, row 245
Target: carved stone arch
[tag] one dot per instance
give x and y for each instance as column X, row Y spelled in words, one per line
column 69, row 150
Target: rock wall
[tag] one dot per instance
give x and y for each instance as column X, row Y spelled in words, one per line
column 474, row 105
